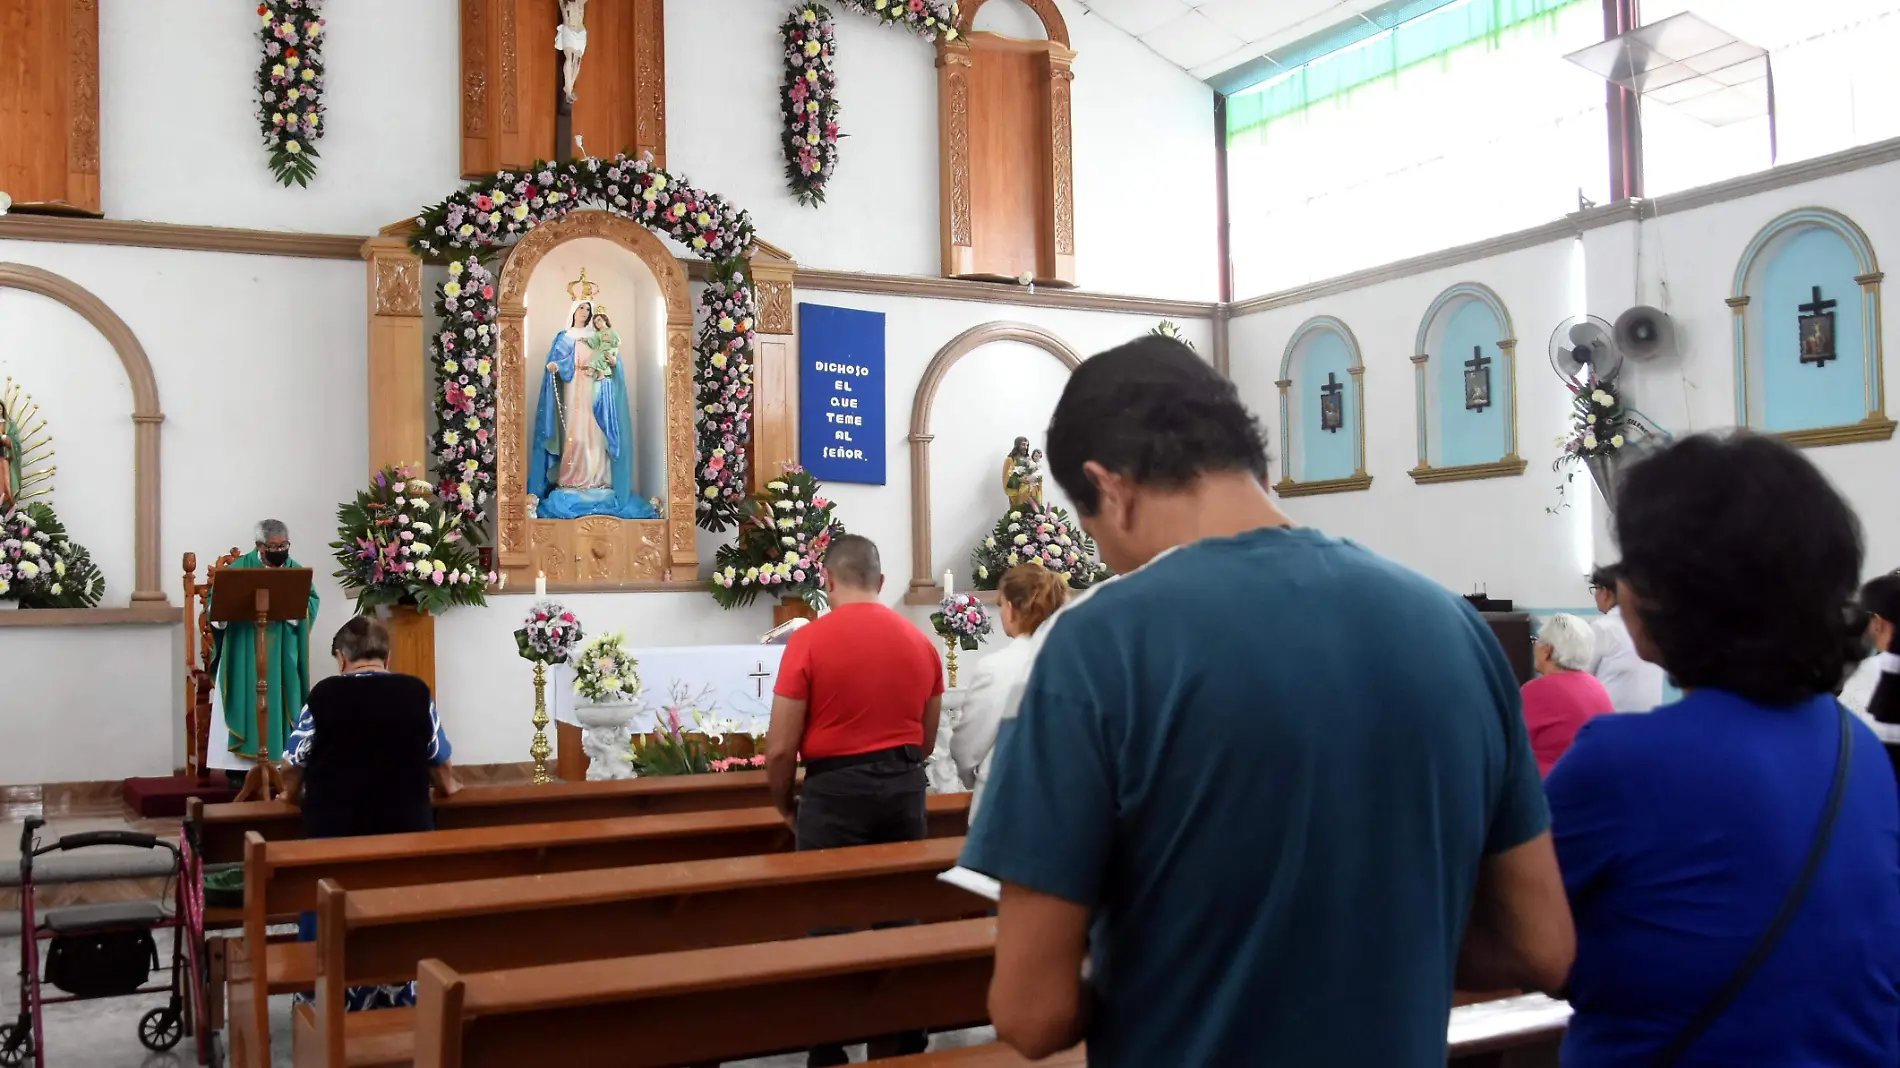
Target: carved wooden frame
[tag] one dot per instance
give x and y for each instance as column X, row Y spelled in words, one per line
column 146, row 415
column 1056, row 247
column 660, row 549
column 924, row 588
column 1506, row 466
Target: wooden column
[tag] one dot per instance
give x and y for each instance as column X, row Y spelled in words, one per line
column 398, row 387
column 774, row 368
column 49, row 104
column 412, row 643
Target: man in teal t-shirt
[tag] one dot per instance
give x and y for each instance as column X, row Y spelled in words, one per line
column 1262, row 781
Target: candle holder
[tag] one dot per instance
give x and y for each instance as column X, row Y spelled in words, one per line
column 540, row 750
column 950, row 661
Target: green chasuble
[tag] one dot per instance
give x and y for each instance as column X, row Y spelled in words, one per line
column 287, row 655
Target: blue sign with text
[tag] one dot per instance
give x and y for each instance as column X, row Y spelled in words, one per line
column 841, row 394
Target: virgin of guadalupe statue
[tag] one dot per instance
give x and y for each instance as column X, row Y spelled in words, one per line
column 9, row 464
column 581, row 459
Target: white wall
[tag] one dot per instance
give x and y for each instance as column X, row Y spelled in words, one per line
column 261, row 376
column 1498, row 533
column 179, row 139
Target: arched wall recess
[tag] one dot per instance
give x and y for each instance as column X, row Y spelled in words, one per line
column 146, row 415
column 1777, row 383
column 1454, row 311
column 924, row 588
column 1350, row 411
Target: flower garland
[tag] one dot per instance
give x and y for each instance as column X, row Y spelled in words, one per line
column 493, row 212
column 605, row 672
column 290, row 86
column 1037, row 533
column 963, row 619
column 781, row 546
column 548, row 635
column 808, row 99
column 398, row 545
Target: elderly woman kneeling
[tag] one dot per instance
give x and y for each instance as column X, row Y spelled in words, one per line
column 1564, row 695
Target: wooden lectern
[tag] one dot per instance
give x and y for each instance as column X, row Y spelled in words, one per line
column 260, row 595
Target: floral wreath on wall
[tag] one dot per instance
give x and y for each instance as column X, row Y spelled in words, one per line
column 808, row 100
column 290, row 87
column 492, row 212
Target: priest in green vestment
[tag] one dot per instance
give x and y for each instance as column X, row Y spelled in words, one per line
column 286, row 656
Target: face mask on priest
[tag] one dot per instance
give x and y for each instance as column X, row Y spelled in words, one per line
column 273, row 543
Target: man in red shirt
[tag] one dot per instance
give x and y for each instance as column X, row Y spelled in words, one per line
column 858, row 696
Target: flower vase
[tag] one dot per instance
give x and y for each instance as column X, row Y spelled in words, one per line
column 607, row 739
column 1604, row 471
column 786, row 611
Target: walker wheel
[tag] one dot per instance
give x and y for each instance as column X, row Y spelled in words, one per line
column 161, row 1029
column 16, row 1045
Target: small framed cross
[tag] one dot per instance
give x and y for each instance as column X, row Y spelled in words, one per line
column 1477, row 380
column 1332, row 407
column 1817, row 330
column 758, row 677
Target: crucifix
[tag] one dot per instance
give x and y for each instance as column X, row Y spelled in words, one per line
column 1477, row 380
column 758, row 677
column 1332, row 411
column 570, row 39
column 1817, row 330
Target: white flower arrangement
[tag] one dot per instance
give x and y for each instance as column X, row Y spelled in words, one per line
column 606, row 673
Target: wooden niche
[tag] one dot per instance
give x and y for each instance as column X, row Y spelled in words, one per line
column 1008, row 184
column 49, row 104
column 511, row 75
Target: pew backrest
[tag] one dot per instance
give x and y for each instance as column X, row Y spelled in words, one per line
column 679, row 1008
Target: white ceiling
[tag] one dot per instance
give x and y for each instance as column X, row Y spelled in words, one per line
column 1207, row 37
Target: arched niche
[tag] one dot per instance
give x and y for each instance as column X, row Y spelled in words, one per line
column 1807, row 334
column 1465, row 378
column 146, row 415
column 1322, row 411
column 598, row 552
column 924, row 587
column 1008, row 195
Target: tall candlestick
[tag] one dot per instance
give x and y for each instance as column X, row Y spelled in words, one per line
column 540, row 585
column 949, row 583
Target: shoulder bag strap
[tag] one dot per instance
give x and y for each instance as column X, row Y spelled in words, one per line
column 1784, row 916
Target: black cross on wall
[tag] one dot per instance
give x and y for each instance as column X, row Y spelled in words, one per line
column 1478, row 380
column 1329, row 399
column 1817, row 330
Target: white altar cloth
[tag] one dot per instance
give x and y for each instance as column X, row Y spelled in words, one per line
column 729, row 682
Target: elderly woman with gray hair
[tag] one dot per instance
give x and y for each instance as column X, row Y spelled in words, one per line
column 1564, row 695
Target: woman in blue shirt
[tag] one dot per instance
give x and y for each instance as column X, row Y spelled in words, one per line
column 1682, row 834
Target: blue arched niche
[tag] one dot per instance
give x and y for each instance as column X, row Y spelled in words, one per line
column 1322, row 360
column 1466, row 328
column 1808, row 265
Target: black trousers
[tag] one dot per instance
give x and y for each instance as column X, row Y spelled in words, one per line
column 866, row 804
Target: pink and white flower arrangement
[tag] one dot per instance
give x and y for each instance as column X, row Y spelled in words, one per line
column 808, row 97
column 1037, row 533
column 40, row 567
column 549, row 634
column 290, row 106
column 961, row 618
column 493, row 212
column 605, row 673
column 397, row 545
column 781, row 545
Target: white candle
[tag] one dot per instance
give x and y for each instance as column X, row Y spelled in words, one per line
column 540, row 584
column 949, row 584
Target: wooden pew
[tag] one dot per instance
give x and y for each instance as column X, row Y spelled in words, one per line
column 990, row 1055
column 379, row 936
column 280, row 878
column 220, row 829
column 699, row 1006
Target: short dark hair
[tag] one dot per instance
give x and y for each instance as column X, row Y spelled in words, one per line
column 1604, row 578
column 1745, row 563
column 1153, row 411
column 362, row 638
column 852, row 560
column 1881, row 596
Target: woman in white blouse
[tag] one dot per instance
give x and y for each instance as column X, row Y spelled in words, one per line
column 1028, row 595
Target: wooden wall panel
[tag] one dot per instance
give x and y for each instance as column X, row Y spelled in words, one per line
column 511, row 76
column 49, row 103
column 1007, row 178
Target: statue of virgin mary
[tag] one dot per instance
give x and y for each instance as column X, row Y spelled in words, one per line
column 581, row 462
